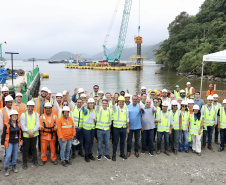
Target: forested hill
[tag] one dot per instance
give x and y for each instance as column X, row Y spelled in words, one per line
column 191, row 37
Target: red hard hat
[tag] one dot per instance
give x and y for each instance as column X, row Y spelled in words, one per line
column 211, row 85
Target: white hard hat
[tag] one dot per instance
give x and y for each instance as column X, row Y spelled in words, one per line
column 188, row 83
column 104, row 98
column 13, row 112
column 164, row 90
column 49, row 91
column 143, row 87
column 190, row 101
column 184, row 103
column 5, row 89
column 83, row 95
column 127, row 95
column 182, row 91
column 165, row 104
column 19, row 94
column 59, row 94
column 64, row 92
column 101, row 92
column 210, row 97
column 91, row 100
column 196, row 107
column 8, row 98
column 44, row 89
column 66, row 108
column 75, row 142
column 215, row 96
column 31, row 103
column 174, row 102
column 224, row 101
column 48, row 104
column 80, row 90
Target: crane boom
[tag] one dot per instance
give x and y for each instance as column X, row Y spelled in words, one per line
column 115, row 56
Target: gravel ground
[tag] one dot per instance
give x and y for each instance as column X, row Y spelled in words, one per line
column 184, row 168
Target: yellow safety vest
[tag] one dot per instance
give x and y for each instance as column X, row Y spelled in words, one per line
column 30, row 123
column 190, row 92
column 86, row 125
column 194, row 125
column 176, row 94
column 176, row 120
column 164, row 126
column 185, row 120
column 209, row 117
column 103, row 119
column 120, row 118
column 217, row 107
column 168, row 100
column 78, row 119
column 157, row 113
column 222, row 118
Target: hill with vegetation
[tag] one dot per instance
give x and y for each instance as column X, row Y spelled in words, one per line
column 191, row 37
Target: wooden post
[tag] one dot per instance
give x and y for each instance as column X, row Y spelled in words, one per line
column 215, row 87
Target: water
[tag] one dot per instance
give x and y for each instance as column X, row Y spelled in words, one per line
column 61, row 78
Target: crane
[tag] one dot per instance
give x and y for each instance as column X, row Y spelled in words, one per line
column 115, row 56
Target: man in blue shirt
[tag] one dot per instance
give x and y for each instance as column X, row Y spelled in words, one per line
column 135, row 112
column 198, row 101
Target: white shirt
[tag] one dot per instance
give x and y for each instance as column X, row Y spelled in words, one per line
column 22, row 122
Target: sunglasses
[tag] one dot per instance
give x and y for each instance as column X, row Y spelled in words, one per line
column 174, row 105
column 183, row 105
column 155, row 101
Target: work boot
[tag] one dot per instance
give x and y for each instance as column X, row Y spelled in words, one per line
column 123, row 156
column 25, row 166
column 55, row 162
column 91, row 157
column 158, row 152
column 6, row 172
column 199, row 154
column 210, row 147
column 143, row 152
column 36, row 163
column 63, row 163
column 73, row 156
column 175, row 152
column 87, row 158
column 167, row 152
column 42, row 163
column 137, row 154
column 217, row 142
column 14, row 169
column 81, row 154
column 128, row 154
column 220, row 149
column 114, row 157
column 68, row 162
column 203, row 147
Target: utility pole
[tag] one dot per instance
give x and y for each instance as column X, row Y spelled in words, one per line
column 33, row 59
column 12, row 53
column 1, row 50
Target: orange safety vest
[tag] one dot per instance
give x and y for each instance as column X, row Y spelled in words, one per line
column 8, row 135
column 65, row 129
column 1, row 104
column 48, row 127
column 20, row 110
column 5, row 116
column 37, row 105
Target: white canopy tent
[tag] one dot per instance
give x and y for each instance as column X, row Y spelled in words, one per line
column 213, row 57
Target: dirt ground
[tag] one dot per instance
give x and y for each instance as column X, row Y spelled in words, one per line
column 184, row 168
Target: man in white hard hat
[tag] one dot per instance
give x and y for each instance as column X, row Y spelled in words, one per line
column 217, row 106
column 18, row 105
column 143, row 90
column 164, row 96
column 40, row 101
column 222, row 125
column 5, row 92
column 59, row 97
column 83, row 97
column 48, row 130
column 183, row 95
column 6, row 111
column 209, row 116
column 190, row 91
column 127, row 99
column 30, row 126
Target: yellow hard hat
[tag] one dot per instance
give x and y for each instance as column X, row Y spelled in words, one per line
column 149, row 91
column 121, row 98
column 155, row 91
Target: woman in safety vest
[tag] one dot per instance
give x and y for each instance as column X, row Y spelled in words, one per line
column 11, row 140
column 185, row 127
column 196, row 129
column 65, row 132
column 89, row 129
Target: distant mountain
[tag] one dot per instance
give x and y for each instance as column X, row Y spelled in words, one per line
column 147, row 51
column 66, row 55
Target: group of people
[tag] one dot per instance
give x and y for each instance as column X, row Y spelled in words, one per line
column 65, row 124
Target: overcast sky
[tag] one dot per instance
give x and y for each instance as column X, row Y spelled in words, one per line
column 41, row 28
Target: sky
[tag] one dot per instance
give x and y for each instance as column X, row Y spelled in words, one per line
column 41, row 28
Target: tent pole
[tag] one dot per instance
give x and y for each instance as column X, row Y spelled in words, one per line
column 201, row 79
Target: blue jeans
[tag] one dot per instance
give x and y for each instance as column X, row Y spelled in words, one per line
column 79, row 136
column 88, row 138
column 159, row 140
column 103, row 134
column 65, row 146
column 129, row 140
column 119, row 133
column 222, row 135
column 12, row 150
column 216, row 133
column 183, row 136
column 148, row 135
column 208, row 132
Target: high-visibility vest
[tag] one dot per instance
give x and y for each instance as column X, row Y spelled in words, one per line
column 93, row 94
column 190, row 92
column 30, row 123
column 176, row 94
column 5, row 115
column 37, row 105
column 103, row 119
column 185, row 99
column 217, row 106
column 86, row 125
column 167, row 100
column 7, row 136
column 209, row 117
column 185, row 120
column 65, row 128
column 164, row 126
column 78, row 119
column 48, row 126
column 51, row 101
column 120, row 118
column 176, row 120
column 222, row 118
column 194, row 125
column 20, row 110
column 157, row 113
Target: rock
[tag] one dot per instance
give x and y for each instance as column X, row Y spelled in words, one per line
column 210, row 77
